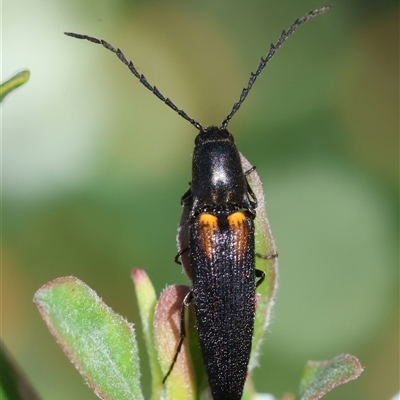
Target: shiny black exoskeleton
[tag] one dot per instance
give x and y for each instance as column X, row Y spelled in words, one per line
column 218, row 181
column 216, row 237
column 221, row 246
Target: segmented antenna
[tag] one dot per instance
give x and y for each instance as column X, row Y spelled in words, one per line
column 140, row 77
column 271, row 53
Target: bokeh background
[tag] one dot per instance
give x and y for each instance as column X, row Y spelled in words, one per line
column 94, row 167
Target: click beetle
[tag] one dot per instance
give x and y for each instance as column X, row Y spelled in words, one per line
column 219, row 251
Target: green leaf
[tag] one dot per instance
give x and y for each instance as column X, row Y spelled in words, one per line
column 320, row 377
column 265, row 245
column 100, row 343
column 13, row 383
column 266, row 291
column 147, row 300
column 181, row 383
column 12, row 83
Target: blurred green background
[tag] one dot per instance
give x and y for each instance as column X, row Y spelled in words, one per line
column 94, row 167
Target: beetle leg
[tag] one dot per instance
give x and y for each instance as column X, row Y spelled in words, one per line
column 186, row 301
column 249, row 171
column 259, row 274
column 268, row 257
column 179, row 254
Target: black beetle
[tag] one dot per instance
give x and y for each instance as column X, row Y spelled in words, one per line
column 217, row 234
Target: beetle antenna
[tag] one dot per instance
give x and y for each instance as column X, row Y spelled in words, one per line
column 140, row 77
column 271, row 53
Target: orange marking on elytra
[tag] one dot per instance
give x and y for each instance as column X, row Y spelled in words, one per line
column 208, row 223
column 239, row 228
column 208, row 220
column 236, row 219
